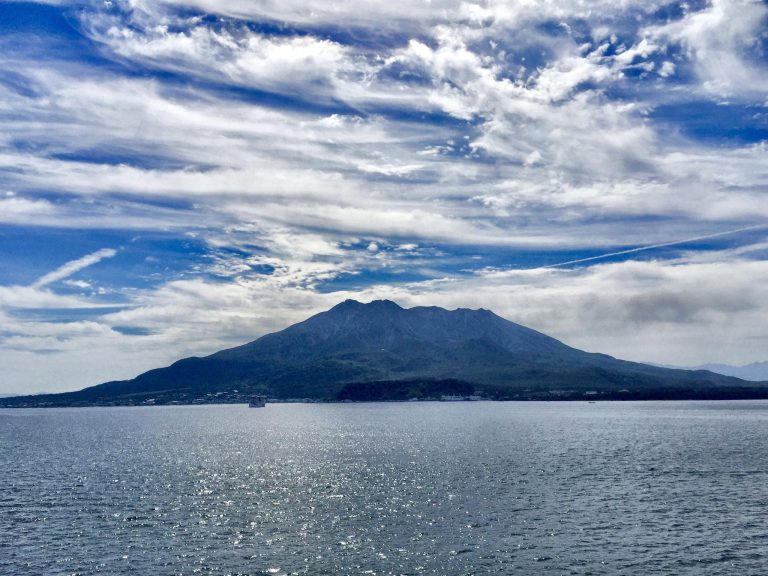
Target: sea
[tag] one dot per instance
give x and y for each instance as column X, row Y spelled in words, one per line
column 440, row 488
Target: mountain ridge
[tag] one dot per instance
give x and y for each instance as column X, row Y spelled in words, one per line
column 353, row 343
column 755, row 371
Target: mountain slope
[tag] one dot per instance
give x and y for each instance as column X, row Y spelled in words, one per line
column 380, row 342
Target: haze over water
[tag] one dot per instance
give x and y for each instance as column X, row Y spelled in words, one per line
column 405, row 488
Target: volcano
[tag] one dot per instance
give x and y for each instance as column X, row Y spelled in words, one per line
column 381, row 351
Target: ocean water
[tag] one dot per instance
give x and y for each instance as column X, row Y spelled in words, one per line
column 403, row 488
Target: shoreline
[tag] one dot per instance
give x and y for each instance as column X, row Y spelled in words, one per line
column 755, row 395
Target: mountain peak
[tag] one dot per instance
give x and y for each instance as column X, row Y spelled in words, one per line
column 381, row 304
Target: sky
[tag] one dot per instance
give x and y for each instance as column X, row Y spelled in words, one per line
column 178, row 177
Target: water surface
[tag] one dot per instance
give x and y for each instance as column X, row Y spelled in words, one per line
column 401, row 488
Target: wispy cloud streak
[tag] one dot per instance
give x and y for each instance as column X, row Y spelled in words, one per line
column 73, row 266
column 653, row 247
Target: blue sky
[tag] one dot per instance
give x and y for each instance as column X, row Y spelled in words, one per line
column 178, row 177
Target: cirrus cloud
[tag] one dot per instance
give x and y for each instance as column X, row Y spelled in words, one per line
column 257, row 162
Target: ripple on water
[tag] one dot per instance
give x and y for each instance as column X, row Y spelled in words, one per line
column 424, row 488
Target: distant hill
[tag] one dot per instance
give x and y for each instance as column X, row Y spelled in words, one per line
column 379, row 350
column 756, row 372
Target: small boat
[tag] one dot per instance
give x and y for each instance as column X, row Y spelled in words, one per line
column 257, row 402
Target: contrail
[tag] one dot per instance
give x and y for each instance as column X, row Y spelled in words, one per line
column 73, row 266
column 653, row 246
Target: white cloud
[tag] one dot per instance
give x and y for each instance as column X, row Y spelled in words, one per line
column 238, row 56
column 681, row 313
column 73, row 266
column 722, row 41
column 78, row 283
column 555, row 145
column 667, row 69
column 15, row 210
column 367, row 13
column 20, row 297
